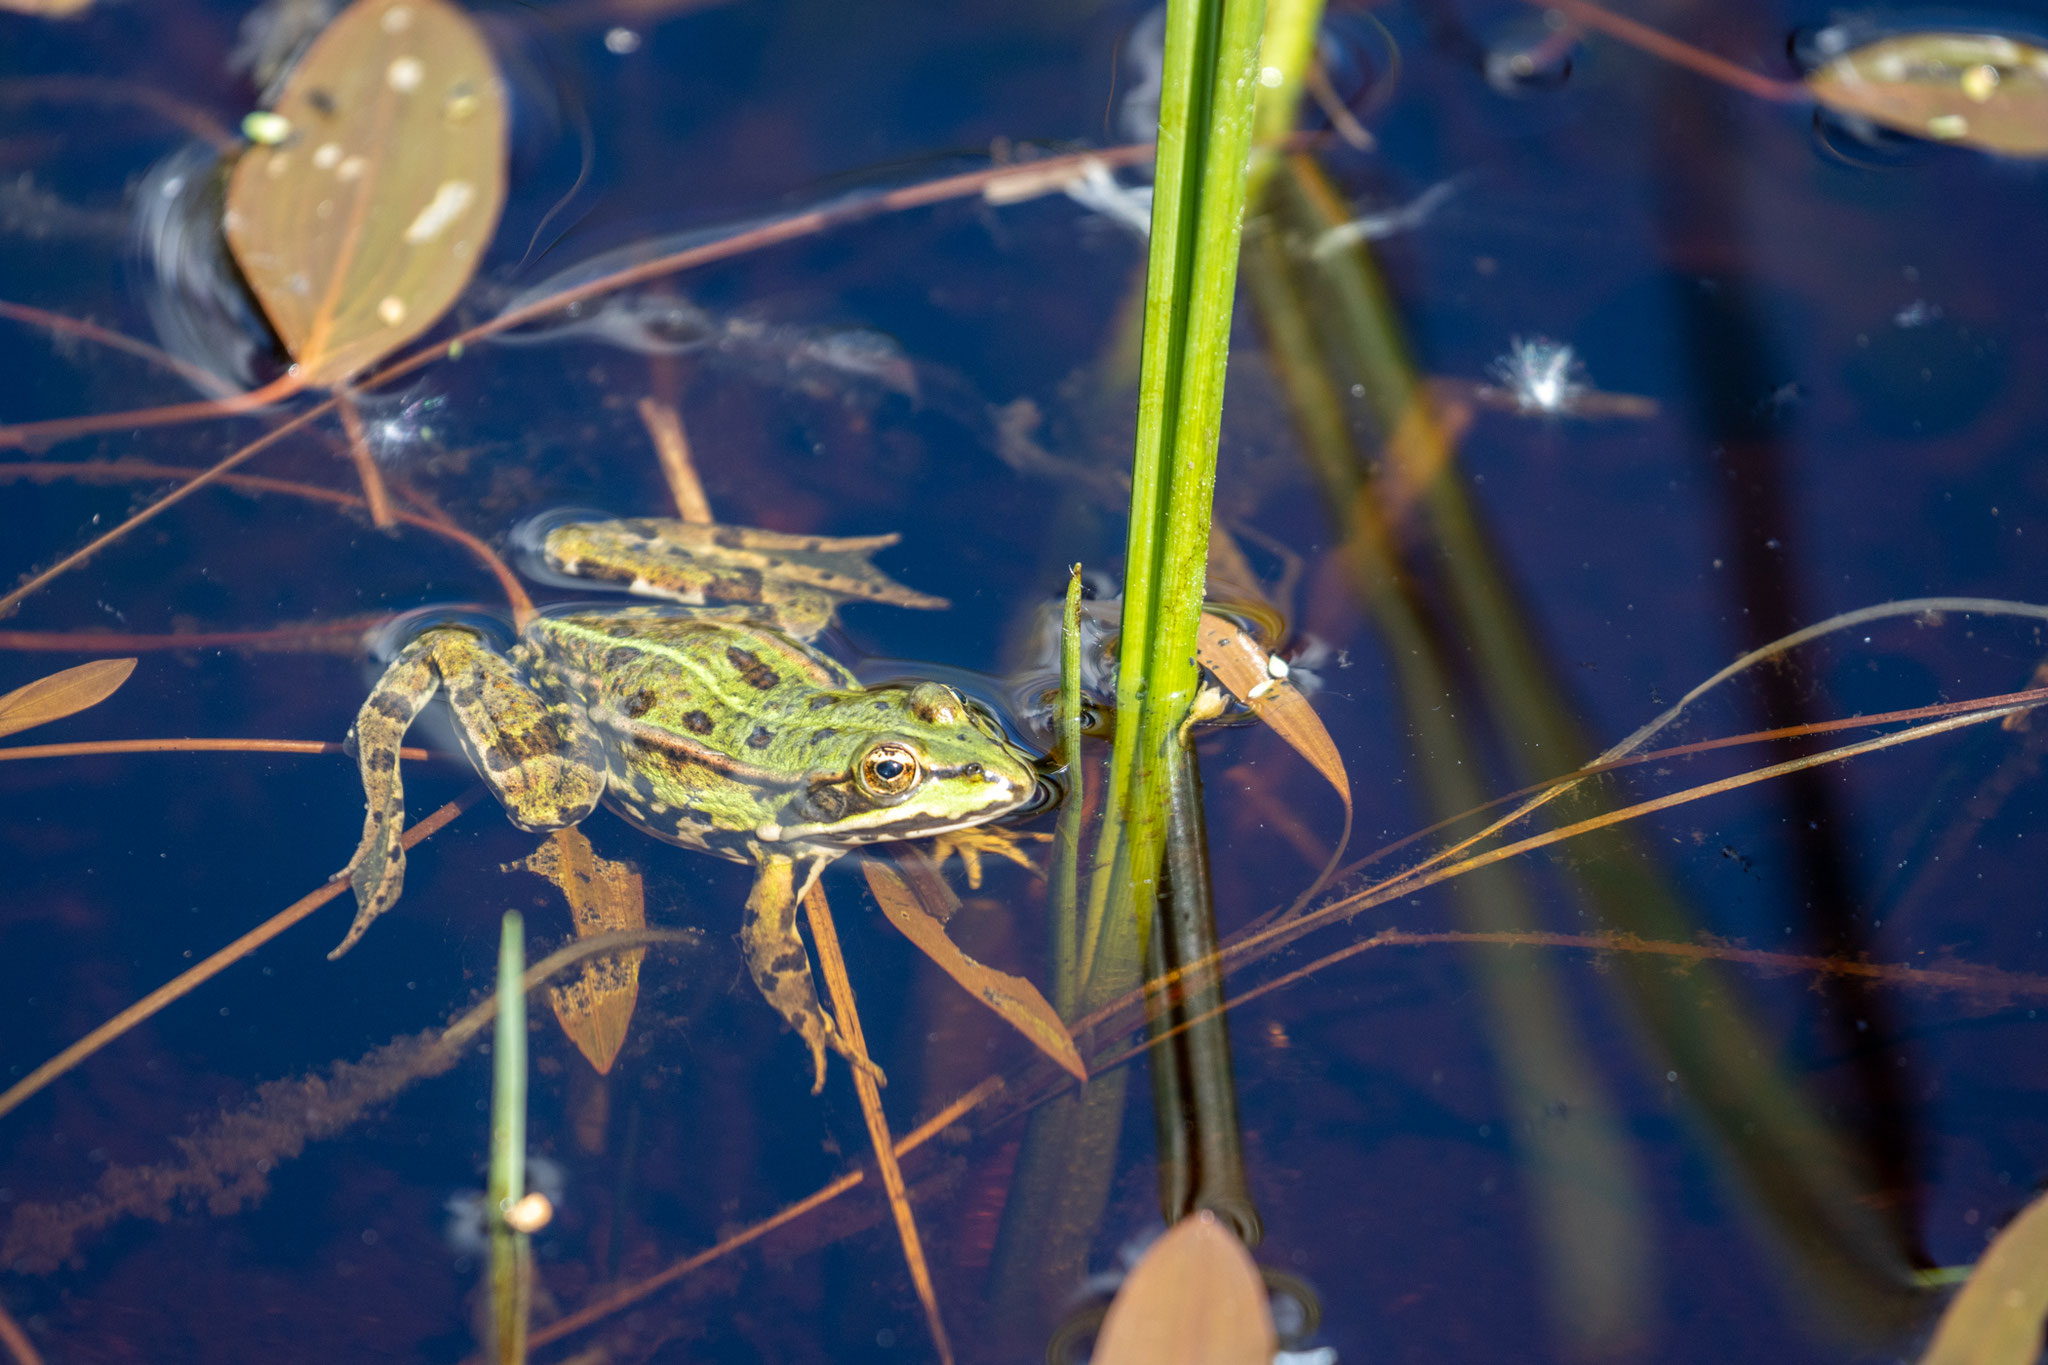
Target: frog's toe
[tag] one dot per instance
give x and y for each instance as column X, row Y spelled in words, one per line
column 858, row 1061
column 377, row 875
column 363, row 919
column 817, row 1043
column 821, row 1033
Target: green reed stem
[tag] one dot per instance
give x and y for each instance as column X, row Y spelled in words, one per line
column 1066, row 862
column 511, row 1257
column 1205, row 122
column 1286, row 49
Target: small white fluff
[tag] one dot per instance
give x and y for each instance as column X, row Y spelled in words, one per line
column 1542, row 376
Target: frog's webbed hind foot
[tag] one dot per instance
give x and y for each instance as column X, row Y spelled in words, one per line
column 782, row 969
column 798, row 580
column 540, row 759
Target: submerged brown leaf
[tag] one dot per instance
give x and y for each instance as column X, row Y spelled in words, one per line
column 1980, row 90
column 604, row 898
column 1195, row 1299
column 362, row 214
column 1996, row 1317
column 1014, row 998
column 62, row 694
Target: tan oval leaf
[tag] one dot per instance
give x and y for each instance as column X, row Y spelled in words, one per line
column 1980, row 90
column 1995, row 1318
column 1194, row 1299
column 62, row 694
column 360, row 226
column 605, row 897
column 1012, row 997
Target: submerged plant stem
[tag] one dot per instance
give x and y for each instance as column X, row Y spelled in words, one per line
column 511, row 1249
column 16, row 1340
column 826, row 938
column 90, row 747
column 182, row 984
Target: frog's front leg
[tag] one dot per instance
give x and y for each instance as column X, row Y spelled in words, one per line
column 540, row 759
column 782, row 969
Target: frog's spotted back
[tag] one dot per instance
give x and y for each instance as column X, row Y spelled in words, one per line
column 803, row 579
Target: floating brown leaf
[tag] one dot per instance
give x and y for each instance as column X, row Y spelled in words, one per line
column 1981, row 90
column 364, row 212
column 1195, row 1299
column 1260, row 681
column 62, row 694
column 604, row 898
column 1014, row 998
column 1996, row 1317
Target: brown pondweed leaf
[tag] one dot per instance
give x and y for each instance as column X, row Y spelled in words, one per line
column 1996, row 1317
column 1194, row 1299
column 361, row 216
column 604, row 898
column 1980, row 90
column 1012, row 997
column 1259, row 680
column 62, row 694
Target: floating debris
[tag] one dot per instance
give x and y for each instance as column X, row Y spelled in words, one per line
column 1541, row 375
column 1372, row 227
column 1098, row 190
column 1981, row 90
column 1544, row 378
column 266, row 129
column 374, row 185
column 1531, row 53
column 817, row 361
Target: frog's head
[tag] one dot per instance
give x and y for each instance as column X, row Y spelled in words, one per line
column 903, row 763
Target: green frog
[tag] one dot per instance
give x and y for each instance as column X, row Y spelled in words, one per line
column 719, row 728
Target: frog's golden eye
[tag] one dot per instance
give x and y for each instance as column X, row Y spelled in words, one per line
column 888, row 770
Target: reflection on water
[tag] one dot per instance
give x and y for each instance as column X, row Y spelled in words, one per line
column 1710, row 1082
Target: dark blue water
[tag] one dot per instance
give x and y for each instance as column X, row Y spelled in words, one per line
column 1464, row 1152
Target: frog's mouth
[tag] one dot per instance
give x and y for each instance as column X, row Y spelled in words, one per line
column 882, row 823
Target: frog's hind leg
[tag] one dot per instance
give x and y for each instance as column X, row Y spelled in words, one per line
column 540, row 759
column 782, row 969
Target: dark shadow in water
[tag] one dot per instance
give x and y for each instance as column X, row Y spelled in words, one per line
column 1743, row 401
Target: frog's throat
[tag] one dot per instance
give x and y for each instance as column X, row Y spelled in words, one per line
column 874, row 830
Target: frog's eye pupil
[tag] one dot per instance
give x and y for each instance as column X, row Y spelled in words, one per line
column 971, row 770
column 888, row 770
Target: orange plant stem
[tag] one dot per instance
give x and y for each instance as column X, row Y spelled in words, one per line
column 183, row 983
column 367, row 473
column 1678, row 53
column 87, row 748
column 826, row 938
